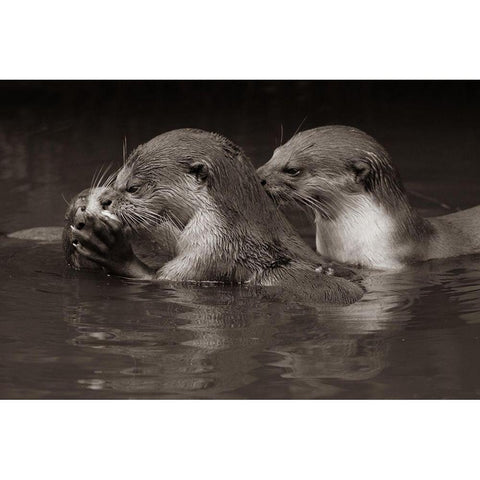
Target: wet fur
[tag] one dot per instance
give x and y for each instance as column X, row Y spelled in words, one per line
column 363, row 216
column 153, row 248
column 229, row 230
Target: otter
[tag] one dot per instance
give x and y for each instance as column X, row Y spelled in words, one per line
column 362, row 214
column 229, row 230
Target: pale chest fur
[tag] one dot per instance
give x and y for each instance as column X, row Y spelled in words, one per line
column 204, row 253
column 362, row 236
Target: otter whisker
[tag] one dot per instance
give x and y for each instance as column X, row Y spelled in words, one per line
column 65, row 200
column 132, row 219
column 175, row 221
column 303, row 206
column 124, row 150
column 278, row 197
column 312, row 203
column 146, row 219
column 321, row 208
column 99, row 173
column 300, row 126
column 102, row 176
column 98, row 176
column 125, row 218
column 155, row 218
column 146, row 212
column 110, row 179
column 95, row 176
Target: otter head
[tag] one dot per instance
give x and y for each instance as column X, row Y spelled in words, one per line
column 327, row 168
column 90, row 201
column 176, row 174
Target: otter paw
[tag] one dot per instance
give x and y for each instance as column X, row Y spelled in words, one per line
column 107, row 242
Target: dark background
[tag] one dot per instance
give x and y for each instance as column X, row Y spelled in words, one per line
column 55, row 134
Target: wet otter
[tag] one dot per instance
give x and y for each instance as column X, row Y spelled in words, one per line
column 229, row 229
column 362, row 214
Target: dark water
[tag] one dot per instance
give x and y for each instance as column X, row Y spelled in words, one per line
column 66, row 334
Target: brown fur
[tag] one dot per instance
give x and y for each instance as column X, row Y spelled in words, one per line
column 341, row 172
column 154, row 250
column 229, row 230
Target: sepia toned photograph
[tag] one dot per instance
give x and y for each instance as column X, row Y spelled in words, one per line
column 250, row 239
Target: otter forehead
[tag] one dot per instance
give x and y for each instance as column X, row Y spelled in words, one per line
column 330, row 146
column 173, row 151
column 178, row 147
column 332, row 135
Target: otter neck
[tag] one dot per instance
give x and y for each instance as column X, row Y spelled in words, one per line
column 208, row 249
column 373, row 236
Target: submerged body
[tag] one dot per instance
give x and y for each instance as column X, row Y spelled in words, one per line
column 227, row 229
column 362, row 214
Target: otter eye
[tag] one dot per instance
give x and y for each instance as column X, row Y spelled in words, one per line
column 291, row 171
column 132, row 188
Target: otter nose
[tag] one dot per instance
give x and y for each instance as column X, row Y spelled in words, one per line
column 263, row 182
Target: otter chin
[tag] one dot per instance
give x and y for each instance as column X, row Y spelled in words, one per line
column 362, row 214
column 227, row 228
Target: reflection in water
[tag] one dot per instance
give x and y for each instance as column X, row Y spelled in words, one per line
column 217, row 342
column 193, row 341
column 67, row 334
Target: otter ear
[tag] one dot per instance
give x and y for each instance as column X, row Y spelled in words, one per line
column 199, row 170
column 361, row 169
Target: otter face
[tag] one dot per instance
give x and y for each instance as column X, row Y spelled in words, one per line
column 93, row 201
column 168, row 178
column 324, row 169
column 148, row 193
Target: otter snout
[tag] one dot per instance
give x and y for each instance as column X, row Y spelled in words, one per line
column 102, row 198
column 263, row 173
column 268, row 180
column 89, row 201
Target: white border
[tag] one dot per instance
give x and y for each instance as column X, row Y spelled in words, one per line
column 239, row 439
column 145, row 39
column 251, row 39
